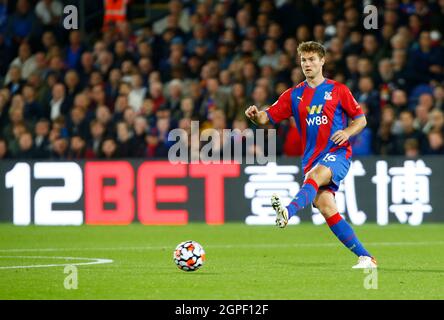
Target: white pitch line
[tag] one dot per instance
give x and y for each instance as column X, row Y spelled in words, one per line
column 228, row 246
column 94, row 261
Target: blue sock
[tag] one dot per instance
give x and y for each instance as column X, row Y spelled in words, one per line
column 344, row 232
column 304, row 197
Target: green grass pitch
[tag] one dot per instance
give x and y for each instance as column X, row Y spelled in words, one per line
column 243, row 262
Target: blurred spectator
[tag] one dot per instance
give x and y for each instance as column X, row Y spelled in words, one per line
column 436, row 142
column 237, row 102
column 137, row 93
column 48, row 40
column 140, row 130
column 155, row 148
column 384, row 141
column 98, row 97
column 41, row 138
column 96, row 134
column 209, row 61
column 72, row 83
column 186, row 110
column 385, row 81
column 112, row 86
column 124, row 142
column 22, row 24
column 401, row 74
column 213, row 99
column 25, row 61
column 369, row 96
column 156, row 94
column 163, row 127
column 426, row 100
column 399, row 101
column 121, row 54
column 86, row 67
column 15, row 115
column 371, row 49
column 26, row 147
column 105, row 62
column 271, row 55
column 103, row 115
column 148, row 111
column 129, row 116
column 174, row 95
column 260, row 97
column 438, row 95
column 115, row 13
column 78, row 149
column 249, row 75
column 58, row 104
column 175, row 8
column 15, row 81
column 74, row 50
column 4, row 108
column 436, row 121
column 108, row 149
column 49, row 12
column 4, row 152
column 33, row 110
column 59, row 149
column 77, row 124
column 426, row 62
column 411, row 148
column 421, row 117
column 409, row 134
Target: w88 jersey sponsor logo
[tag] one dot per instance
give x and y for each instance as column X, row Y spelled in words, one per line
column 318, row 120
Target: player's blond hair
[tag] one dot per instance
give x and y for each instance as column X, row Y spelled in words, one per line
column 312, row 46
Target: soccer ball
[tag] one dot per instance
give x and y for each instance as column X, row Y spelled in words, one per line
column 189, row 255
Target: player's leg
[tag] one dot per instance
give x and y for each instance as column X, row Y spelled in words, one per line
column 318, row 176
column 325, row 202
column 325, row 205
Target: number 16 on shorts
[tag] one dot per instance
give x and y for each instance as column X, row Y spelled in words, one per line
column 329, row 157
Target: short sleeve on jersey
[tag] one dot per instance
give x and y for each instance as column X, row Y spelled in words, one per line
column 281, row 109
column 349, row 103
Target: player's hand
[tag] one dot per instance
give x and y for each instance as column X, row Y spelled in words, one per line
column 251, row 112
column 339, row 137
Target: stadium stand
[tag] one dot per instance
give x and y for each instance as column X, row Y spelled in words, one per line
column 117, row 92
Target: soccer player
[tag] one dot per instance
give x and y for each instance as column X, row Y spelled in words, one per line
column 321, row 108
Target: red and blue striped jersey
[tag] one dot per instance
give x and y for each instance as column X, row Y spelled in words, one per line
column 319, row 112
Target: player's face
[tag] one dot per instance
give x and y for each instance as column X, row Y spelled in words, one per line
column 311, row 64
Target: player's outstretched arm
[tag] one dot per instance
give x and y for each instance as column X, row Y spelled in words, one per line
column 256, row 116
column 341, row 136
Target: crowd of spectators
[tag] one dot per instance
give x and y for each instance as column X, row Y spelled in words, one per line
column 120, row 94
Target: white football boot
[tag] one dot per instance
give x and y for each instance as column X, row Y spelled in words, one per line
column 365, row 262
column 281, row 211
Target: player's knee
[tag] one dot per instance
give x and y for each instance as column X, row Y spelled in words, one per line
column 325, row 208
column 312, row 175
column 319, row 175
